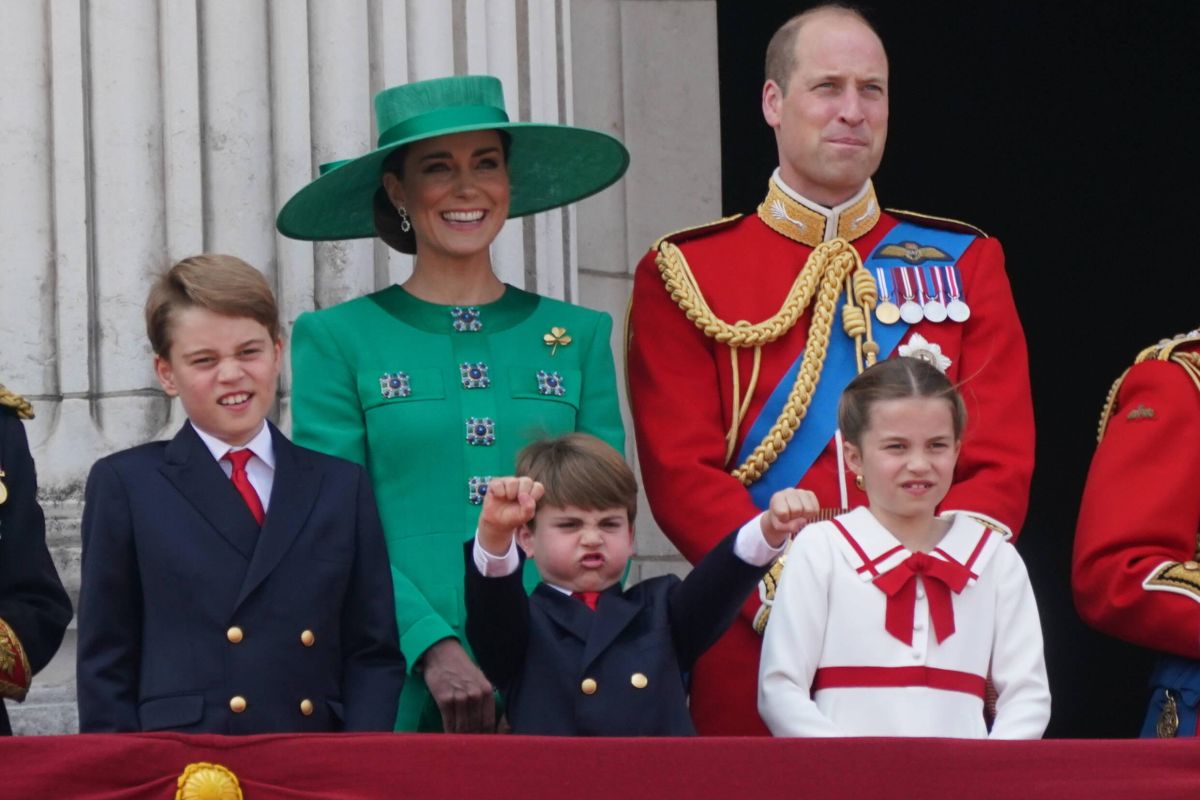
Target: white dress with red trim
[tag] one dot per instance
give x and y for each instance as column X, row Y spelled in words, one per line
column 870, row 639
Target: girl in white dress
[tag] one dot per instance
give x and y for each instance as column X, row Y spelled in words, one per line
column 889, row 619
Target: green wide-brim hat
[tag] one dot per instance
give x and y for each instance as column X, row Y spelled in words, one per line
column 548, row 165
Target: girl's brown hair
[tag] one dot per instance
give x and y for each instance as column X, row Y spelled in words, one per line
column 896, row 379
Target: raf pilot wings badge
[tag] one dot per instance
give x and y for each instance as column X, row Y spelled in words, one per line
column 913, row 252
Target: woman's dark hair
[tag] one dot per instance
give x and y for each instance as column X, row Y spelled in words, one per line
column 387, row 218
column 896, row 379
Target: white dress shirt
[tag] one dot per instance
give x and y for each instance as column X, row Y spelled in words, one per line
column 260, row 469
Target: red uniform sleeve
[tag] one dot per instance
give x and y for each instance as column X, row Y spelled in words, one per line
column 1141, row 510
column 996, row 463
column 677, row 403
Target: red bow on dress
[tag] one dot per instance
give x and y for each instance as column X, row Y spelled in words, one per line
column 900, row 586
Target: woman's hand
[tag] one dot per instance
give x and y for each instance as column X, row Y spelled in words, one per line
column 462, row 692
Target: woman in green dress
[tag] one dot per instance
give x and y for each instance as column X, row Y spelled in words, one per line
column 434, row 385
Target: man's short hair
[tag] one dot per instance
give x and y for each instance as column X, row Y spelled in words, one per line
column 225, row 285
column 781, row 50
column 582, row 471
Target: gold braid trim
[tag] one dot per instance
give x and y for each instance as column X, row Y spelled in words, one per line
column 10, row 399
column 829, row 266
column 1110, row 404
column 1191, row 365
column 681, row 285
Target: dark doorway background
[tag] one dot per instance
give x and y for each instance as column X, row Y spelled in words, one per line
column 1068, row 131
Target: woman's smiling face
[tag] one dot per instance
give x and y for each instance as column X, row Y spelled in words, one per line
column 455, row 190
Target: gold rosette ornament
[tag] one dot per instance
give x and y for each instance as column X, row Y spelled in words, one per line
column 204, row 781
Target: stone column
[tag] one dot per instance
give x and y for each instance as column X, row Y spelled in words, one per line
column 646, row 71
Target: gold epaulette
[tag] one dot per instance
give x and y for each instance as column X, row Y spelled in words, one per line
column 945, row 223
column 18, row 405
column 1164, row 350
column 697, row 230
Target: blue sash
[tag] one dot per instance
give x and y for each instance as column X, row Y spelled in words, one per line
column 820, row 423
column 1181, row 677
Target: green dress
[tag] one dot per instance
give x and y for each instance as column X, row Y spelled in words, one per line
column 434, row 400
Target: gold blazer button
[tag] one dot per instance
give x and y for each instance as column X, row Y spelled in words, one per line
column 307, row 638
column 638, row 680
column 237, row 704
column 588, row 686
column 306, row 707
column 234, row 634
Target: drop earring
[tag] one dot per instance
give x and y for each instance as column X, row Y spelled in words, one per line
column 858, row 482
column 405, row 222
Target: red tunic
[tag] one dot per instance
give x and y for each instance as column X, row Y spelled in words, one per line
column 681, row 393
column 1141, row 513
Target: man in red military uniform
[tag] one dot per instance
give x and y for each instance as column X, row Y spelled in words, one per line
column 34, row 607
column 743, row 333
column 1136, row 573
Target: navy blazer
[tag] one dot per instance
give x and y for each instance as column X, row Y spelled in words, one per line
column 187, row 611
column 618, row 671
column 32, row 599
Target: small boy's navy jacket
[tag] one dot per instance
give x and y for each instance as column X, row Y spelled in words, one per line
column 189, row 612
column 616, row 671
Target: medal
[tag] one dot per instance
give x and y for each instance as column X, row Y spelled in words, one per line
column 957, row 309
column 886, row 312
column 934, row 309
column 910, row 309
column 1168, row 718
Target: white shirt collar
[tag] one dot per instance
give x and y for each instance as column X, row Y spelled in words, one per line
column 963, row 543
column 261, row 444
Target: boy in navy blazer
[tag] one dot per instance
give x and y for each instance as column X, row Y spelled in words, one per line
column 233, row 582
column 581, row 656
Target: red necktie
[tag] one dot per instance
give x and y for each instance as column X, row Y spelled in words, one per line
column 589, row 599
column 241, row 482
column 900, row 585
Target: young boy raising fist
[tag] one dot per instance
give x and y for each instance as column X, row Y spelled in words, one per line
column 581, row 656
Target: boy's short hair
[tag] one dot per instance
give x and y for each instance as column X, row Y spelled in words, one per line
column 222, row 284
column 580, row 470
